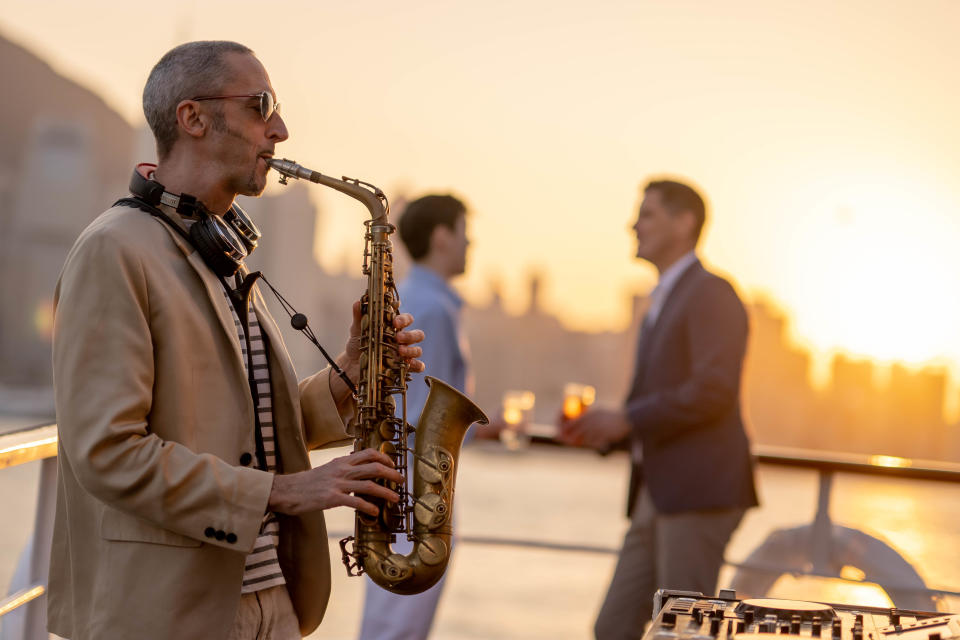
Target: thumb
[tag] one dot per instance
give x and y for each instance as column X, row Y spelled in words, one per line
column 357, row 315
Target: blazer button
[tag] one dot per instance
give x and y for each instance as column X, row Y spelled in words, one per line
column 221, row 535
column 231, row 538
column 246, row 459
column 210, row 532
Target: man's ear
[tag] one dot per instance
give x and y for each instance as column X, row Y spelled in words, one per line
column 687, row 222
column 191, row 121
column 439, row 238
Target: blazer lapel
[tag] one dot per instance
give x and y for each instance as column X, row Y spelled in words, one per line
column 214, row 290
column 671, row 306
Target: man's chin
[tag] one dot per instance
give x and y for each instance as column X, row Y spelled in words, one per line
column 255, row 187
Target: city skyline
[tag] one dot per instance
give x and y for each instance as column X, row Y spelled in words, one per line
column 819, row 135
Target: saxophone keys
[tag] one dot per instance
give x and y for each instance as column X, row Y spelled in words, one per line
column 431, row 511
column 437, row 465
column 396, row 567
column 391, row 517
column 388, row 447
column 428, row 472
column 387, row 430
column 432, row 550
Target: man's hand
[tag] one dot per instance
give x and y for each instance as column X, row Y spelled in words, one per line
column 406, row 339
column 595, row 428
column 349, row 360
column 332, row 484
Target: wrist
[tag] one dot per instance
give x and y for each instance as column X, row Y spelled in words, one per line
column 278, row 501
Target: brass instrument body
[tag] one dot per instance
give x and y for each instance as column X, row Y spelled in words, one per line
column 423, row 514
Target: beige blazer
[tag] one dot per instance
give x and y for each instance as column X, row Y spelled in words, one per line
column 154, row 414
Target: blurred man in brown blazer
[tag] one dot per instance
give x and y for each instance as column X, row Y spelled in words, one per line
column 187, row 507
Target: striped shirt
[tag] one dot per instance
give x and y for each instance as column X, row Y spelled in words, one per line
column 262, row 567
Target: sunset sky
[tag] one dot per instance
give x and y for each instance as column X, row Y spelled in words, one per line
column 823, row 133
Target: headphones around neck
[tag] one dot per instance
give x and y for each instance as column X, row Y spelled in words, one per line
column 222, row 242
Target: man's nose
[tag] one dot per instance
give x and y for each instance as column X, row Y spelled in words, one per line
column 277, row 128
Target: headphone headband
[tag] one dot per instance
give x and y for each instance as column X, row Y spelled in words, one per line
column 222, row 246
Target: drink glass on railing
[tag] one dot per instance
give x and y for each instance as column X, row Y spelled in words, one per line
column 517, row 412
column 576, row 399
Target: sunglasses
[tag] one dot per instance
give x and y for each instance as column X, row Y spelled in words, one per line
column 267, row 106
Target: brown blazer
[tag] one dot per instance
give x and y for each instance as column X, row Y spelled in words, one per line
column 154, row 413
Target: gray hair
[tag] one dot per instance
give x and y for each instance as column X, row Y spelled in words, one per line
column 187, row 71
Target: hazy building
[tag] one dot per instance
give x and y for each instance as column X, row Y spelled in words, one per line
column 65, row 156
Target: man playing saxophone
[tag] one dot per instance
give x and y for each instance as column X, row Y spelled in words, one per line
column 187, row 506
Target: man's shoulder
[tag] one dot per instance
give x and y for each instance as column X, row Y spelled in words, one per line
column 426, row 307
column 125, row 224
column 118, row 235
column 712, row 289
column 424, row 301
column 710, row 280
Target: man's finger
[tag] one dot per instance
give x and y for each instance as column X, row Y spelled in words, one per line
column 360, row 505
column 410, row 337
column 374, row 470
column 367, row 455
column 410, row 352
column 356, row 315
column 372, row 489
column 403, row 320
column 417, row 366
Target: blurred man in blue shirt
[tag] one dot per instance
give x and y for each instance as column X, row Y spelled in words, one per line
column 434, row 230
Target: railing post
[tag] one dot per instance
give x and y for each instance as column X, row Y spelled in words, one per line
column 821, row 538
column 36, row 618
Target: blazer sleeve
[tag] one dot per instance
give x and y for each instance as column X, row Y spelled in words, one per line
column 323, row 424
column 716, row 328
column 104, row 379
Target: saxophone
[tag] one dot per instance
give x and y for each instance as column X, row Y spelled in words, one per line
column 423, row 514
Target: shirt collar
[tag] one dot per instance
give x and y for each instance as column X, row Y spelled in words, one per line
column 668, row 279
column 672, row 273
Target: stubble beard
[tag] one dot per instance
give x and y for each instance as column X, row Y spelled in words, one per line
column 249, row 184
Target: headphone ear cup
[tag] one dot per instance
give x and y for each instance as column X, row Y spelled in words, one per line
column 218, row 245
column 245, row 228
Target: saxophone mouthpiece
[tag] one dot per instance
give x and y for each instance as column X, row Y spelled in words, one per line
column 290, row 169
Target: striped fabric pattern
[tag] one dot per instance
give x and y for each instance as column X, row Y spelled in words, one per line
column 262, row 567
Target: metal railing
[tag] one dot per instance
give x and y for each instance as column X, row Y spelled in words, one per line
column 20, row 447
column 40, row 444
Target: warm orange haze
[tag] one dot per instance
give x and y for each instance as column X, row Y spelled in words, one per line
column 822, row 136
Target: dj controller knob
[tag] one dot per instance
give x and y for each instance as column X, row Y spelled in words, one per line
column 795, row 624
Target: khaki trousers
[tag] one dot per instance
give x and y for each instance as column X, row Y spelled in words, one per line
column 266, row 615
column 663, row 551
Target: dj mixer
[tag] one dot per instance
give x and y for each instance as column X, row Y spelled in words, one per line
column 686, row 615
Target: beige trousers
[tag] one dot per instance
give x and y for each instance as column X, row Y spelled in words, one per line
column 265, row 615
column 663, row 551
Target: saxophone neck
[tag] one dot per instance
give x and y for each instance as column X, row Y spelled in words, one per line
column 370, row 195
